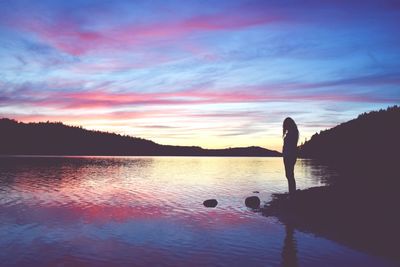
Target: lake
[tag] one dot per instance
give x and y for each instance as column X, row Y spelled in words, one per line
column 136, row 211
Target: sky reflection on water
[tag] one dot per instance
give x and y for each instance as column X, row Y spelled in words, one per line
column 106, row 211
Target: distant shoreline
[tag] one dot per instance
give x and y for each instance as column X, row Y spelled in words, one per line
column 55, row 138
column 122, row 156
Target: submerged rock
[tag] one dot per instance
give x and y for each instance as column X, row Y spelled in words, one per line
column 252, row 202
column 256, row 192
column 210, row 203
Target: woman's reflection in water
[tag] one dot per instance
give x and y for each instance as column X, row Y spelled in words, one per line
column 289, row 250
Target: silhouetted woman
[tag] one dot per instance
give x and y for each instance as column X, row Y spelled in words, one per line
column 290, row 138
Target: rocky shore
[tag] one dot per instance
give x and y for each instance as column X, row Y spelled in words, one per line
column 365, row 219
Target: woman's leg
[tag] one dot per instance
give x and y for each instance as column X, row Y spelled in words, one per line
column 289, row 169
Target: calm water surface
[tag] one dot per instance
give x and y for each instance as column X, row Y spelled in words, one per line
column 133, row 211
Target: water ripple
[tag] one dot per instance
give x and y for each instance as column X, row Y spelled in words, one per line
column 109, row 211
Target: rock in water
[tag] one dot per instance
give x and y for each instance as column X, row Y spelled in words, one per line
column 210, row 203
column 252, row 202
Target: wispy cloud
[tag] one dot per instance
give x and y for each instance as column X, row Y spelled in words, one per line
column 71, row 36
column 100, row 97
column 194, row 72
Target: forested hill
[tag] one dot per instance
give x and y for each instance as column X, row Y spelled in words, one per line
column 48, row 138
column 372, row 136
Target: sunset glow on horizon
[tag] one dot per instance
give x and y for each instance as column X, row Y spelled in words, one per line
column 214, row 74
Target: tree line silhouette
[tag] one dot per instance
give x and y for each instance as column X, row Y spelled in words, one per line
column 373, row 136
column 55, row 138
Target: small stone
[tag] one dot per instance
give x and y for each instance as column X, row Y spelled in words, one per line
column 210, row 203
column 252, row 202
column 256, row 192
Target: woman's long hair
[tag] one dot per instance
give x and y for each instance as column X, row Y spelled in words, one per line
column 289, row 126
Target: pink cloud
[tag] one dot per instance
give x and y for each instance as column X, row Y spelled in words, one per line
column 104, row 99
column 73, row 37
column 56, row 94
column 251, row 94
column 111, row 116
column 228, row 21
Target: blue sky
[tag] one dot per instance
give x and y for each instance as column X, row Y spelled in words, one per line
column 208, row 73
